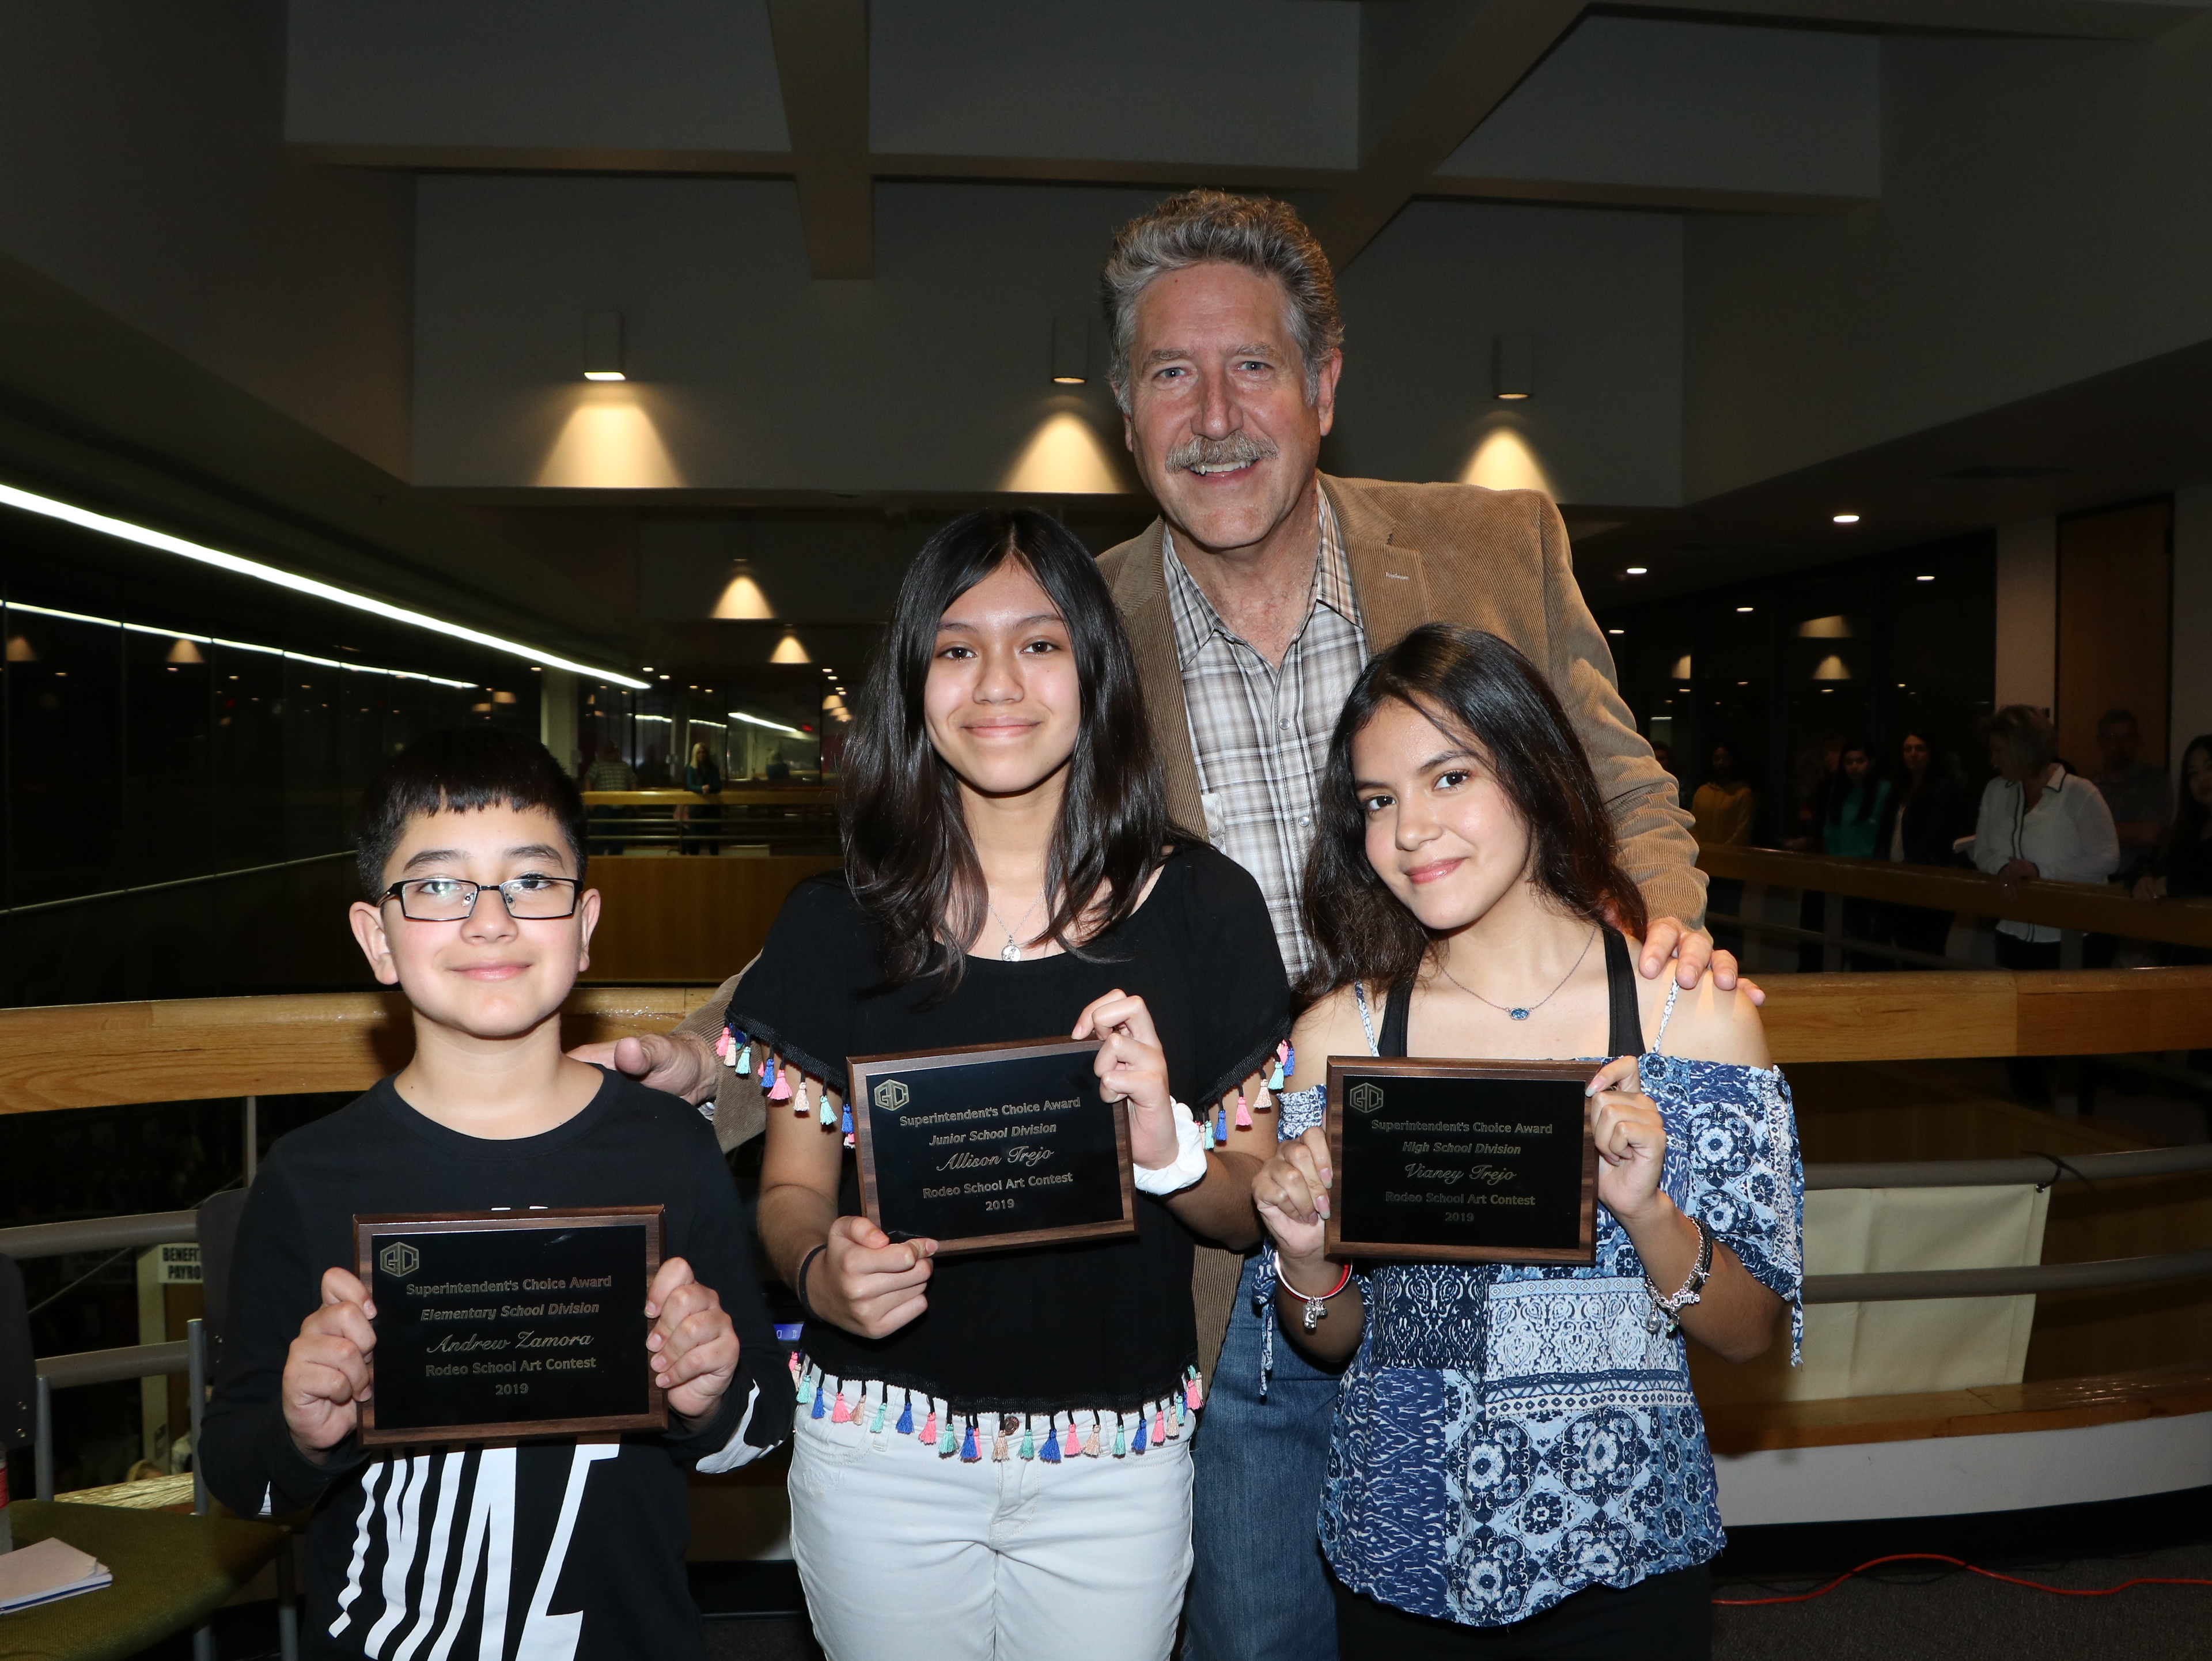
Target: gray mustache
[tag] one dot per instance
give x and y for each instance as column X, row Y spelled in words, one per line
column 1230, row 451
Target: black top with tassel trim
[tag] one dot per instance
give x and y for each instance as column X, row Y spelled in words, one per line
column 1097, row 1325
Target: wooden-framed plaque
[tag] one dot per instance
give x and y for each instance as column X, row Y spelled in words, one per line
column 1461, row 1161
column 1001, row 1145
column 495, row 1326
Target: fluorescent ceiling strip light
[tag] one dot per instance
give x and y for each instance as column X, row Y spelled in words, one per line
column 122, row 530
column 666, row 720
column 773, row 726
column 236, row 645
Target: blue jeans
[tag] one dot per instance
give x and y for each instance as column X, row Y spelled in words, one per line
column 1260, row 1590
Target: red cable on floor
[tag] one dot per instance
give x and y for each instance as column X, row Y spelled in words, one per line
column 1961, row 1563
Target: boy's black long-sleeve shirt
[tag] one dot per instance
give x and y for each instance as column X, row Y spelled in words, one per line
column 544, row 1551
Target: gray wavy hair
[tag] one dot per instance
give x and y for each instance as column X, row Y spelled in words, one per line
column 1213, row 227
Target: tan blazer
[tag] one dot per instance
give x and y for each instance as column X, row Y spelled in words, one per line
column 1496, row 560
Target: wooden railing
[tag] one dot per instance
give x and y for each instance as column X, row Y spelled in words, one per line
column 2090, row 908
column 109, row 1055
column 105, row 1055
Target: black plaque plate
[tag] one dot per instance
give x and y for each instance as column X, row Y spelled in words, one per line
column 492, row 1326
column 980, row 1149
column 1461, row 1161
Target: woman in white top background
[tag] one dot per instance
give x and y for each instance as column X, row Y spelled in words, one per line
column 2038, row 822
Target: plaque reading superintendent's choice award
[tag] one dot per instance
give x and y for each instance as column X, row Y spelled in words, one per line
column 493, row 1326
column 1003, row 1145
column 1463, row 1161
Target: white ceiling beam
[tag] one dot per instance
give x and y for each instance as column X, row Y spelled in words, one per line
column 822, row 63
column 1430, row 72
column 2082, row 20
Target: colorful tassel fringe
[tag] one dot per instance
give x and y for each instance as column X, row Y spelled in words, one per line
column 905, row 1426
column 1243, row 1112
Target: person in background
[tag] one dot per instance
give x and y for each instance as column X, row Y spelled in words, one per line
column 1663, row 753
column 702, row 778
column 1820, row 767
column 2140, row 795
column 609, row 771
column 1852, row 823
column 1721, row 812
column 2182, row 868
column 2038, row 822
column 1918, row 826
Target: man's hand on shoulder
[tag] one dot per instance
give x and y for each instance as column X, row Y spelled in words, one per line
column 327, row 1369
column 693, row 1344
column 1692, row 952
column 676, row 1062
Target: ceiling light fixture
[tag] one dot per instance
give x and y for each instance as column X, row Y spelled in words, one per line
column 1071, row 349
column 1513, row 368
column 124, row 531
column 1846, row 519
column 1740, row 609
column 603, row 346
column 1925, row 579
column 1636, row 570
column 1616, row 631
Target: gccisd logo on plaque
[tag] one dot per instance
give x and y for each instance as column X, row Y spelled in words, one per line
column 891, row 1095
column 399, row 1260
column 1365, row 1097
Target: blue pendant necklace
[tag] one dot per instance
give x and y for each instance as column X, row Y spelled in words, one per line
column 1521, row 1011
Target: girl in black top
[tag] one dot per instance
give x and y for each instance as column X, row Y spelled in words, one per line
column 992, row 1451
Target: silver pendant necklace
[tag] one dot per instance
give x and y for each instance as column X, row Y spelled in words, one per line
column 1521, row 1011
column 1011, row 951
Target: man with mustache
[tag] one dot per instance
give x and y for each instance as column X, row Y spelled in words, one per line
column 1252, row 602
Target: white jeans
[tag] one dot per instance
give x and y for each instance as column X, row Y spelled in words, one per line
column 909, row 1556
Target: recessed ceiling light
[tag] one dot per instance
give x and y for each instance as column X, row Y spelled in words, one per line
column 604, row 375
column 1847, row 519
column 1616, row 631
column 1925, row 579
column 1636, row 570
column 1743, row 608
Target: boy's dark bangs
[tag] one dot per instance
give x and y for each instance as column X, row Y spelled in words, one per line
column 463, row 769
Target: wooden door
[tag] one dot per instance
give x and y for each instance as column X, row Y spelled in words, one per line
column 2115, row 627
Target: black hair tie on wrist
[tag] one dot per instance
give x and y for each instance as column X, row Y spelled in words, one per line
column 806, row 1263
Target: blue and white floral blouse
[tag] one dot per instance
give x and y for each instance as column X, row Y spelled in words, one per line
column 1509, row 1435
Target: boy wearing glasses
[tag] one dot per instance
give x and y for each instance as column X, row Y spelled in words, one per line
column 471, row 846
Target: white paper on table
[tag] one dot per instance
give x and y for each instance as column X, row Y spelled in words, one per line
column 30, row 1575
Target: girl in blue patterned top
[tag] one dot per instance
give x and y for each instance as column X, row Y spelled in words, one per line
column 1518, row 1466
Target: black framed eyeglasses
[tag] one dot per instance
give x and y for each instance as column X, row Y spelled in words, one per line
column 529, row 897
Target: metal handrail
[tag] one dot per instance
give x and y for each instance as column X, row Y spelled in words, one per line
column 99, row 1234
column 107, row 1367
column 2025, row 1280
column 2039, row 1168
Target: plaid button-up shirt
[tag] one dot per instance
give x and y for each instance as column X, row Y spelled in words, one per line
column 1259, row 732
